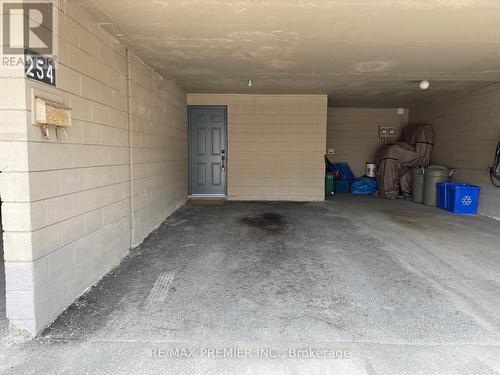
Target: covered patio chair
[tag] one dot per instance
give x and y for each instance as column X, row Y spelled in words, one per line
column 395, row 160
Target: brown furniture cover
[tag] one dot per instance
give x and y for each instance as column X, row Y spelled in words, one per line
column 395, row 160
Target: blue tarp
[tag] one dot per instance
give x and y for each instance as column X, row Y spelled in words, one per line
column 342, row 171
column 364, row 186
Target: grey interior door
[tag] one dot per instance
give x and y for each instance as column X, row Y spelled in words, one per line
column 207, row 150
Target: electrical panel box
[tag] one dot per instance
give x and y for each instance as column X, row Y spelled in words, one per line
column 50, row 113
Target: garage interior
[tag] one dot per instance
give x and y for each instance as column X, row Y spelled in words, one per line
column 110, row 260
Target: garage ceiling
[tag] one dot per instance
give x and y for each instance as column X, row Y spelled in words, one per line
column 370, row 52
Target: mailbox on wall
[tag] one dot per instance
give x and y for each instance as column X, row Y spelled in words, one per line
column 50, row 113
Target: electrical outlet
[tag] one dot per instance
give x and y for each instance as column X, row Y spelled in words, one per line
column 386, row 131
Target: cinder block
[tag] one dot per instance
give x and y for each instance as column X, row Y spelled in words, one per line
column 14, row 124
column 79, row 179
column 91, row 88
column 60, row 208
column 46, row 240
column 16, row 217
column 83, row 202
column 18, row 246
column 12, row 95
column 99, row 113
column 13, row 156
column 69, row 80
column 19, row 276
column 93, row 221
column 80, row 108
column 108, row 135
column 44, row 185
column 20, row 305
column 36, row 156
column 122, row 137
column 89, row 43
column 58, row 155
column 73, row 229
column 92, row 133
column 79, row 60
column 60, row 261
column 111, row 213
column 90, row 155
column 118, row 119
column 69, row 29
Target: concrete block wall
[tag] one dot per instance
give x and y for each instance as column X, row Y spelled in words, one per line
column 159, row 149
column 276, row 145
column 14, row 185
column 353, row 133
column 467, row 132
column 67, row 212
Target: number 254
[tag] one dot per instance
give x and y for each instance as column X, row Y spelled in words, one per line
column 36, row 67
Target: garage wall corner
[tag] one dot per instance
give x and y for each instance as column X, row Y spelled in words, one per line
column 467, row 132
column 353, row 133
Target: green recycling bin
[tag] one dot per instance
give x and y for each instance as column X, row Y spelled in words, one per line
column 329, row 184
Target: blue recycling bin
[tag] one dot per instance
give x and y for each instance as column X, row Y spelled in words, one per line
column 463, row 200
column 442, row 192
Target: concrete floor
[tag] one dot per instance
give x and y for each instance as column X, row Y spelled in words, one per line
column 383, row 287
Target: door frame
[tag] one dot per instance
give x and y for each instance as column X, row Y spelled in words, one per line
column 224, row 108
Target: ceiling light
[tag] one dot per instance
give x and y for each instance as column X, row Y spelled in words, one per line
column 424, row 85
column 250, row 83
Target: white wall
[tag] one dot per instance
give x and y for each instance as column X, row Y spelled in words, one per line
column 276, row 145
column 67, row 202
column 353, row 133
column 467, row 131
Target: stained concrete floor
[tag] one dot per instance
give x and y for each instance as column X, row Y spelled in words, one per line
column 382, row 287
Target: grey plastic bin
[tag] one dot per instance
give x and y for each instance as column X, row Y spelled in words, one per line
column 432, row 176
column 418, row 184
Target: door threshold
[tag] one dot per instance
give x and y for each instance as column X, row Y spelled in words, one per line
column 207, row 196
column 206, row 199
